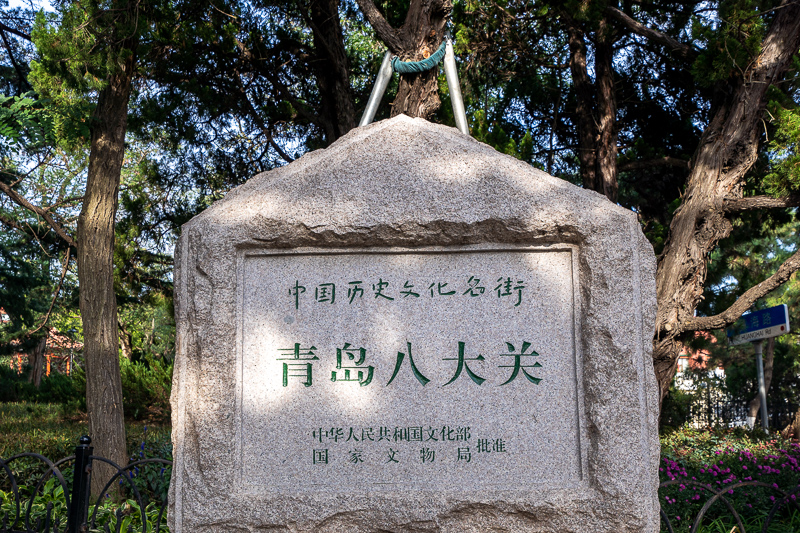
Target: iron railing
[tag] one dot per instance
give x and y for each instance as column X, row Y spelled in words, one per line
column 784, row 500
column 67, row 510
column 733, row 413
column 68, row 503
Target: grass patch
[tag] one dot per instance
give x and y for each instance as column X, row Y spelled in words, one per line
column 39, row 428
column 47, row 429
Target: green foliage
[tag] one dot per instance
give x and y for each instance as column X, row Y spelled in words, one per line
column 730, row 42
column 151, row 328
column 24, row 289
column 68, row 391
column 78, row 47
column 43, row 429
column 741, row 381
column 38, row 156
column 146, row 387
column 789, row 524
column 495, row 136
column 53, row 431
column 51, row 494
column 110, row 516
column 783, row 177
column 72, row 64
column 675, row 409
column 718, row 458
column 760, row 244
column 151, row 479
column 23, row 120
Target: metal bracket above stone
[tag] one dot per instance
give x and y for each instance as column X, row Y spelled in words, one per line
column 388, row 65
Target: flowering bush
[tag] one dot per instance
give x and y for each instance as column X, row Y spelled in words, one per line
column 696, row 464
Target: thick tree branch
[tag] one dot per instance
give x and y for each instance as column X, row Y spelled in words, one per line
column 660, row 162
column 731, row 314
column 18, row 33
column 656, row 36
column 725, row 154
column 761, row 202
column 22, row 202
column 385, row 32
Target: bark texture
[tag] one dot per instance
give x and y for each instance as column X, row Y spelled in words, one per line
column 420, row 36
column 792, row 431
column 37, row 362
column 587, row 130
column 96, row 272
column 726, row 152
column 606, row 113
column 331, row 69
column 125, row 342
column 595, row 107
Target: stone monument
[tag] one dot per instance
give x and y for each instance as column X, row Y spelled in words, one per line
column 409, row 331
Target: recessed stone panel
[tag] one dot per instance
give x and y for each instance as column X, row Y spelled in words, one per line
column 409, row 370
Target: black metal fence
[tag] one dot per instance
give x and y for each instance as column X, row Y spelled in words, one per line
column 733, row 413
column 44, row 497
column 54, row 499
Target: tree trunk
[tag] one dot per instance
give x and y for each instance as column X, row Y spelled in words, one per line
column 606, row 183
column 37, row 362
column 597, row 132
column 420, row 36
column 726, row 152
column 587, row 130
column 792, row 431
column 769, row 357
column 331, row 68
column 125, row 342
column 95, row 256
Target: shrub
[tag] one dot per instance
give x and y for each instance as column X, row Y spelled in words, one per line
column 69, row 391
column 676, row 408
column 14, row 387
column 55, row 388
column 146, row 386
column 718, row 459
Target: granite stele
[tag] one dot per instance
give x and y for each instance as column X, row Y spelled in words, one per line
column 411, row 332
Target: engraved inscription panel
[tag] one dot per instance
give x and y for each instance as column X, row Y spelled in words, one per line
column 409, row 370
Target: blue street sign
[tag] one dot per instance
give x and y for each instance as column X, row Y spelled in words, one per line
column 763, row 324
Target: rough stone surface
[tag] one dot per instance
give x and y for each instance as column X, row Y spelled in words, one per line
column 406, row 202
